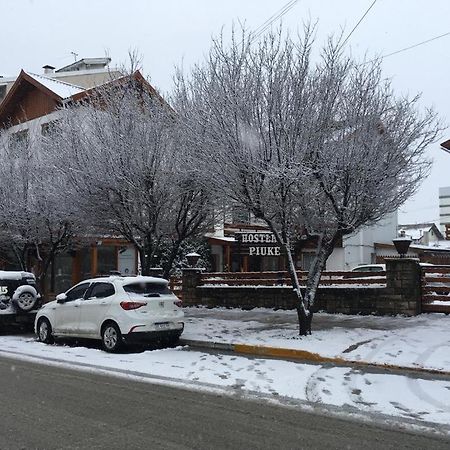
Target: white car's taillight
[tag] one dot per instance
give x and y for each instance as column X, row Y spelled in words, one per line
column 127, row 306
column 178, row 303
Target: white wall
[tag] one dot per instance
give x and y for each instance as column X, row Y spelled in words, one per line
column 336, row 260
column 34, row 126
column 359, row 247
column 444, row 207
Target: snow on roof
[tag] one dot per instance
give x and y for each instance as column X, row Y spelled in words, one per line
column 60, row 88
column 218, row 235
column 85, row 62
column 438, row 245
column 417, row 231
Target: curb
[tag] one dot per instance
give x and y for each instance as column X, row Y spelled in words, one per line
column 303, row 355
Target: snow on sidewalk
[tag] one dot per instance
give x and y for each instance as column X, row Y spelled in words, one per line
column 417, row 342
column 417, row 400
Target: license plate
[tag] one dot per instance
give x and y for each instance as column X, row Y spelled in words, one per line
column 162, row 325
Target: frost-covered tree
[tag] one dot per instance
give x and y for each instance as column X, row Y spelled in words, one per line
column 126, row 166
column 36, row 221
column 320, row 145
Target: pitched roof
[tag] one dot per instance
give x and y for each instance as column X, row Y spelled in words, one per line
column 57, row 90
column 61, row 92
column 417, row 230
column 85, row 62
column 446, row 145
column 60, row 88
column 137, row 76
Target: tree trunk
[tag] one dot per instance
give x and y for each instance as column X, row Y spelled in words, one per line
column 167, row 267
column 303, row 312
column 324, row 250
column 146, row 255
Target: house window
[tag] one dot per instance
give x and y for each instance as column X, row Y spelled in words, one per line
column 106, row 259
column 20, row 137
column 48, row 127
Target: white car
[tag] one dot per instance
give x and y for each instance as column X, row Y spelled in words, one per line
column 370, row 268
column 379, row 267
column 115, row 310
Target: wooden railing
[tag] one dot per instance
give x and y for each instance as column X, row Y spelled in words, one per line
column 328, row 278
column 436, row 289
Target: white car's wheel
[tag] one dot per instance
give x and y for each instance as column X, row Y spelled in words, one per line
column 111, row 337
column 44, row 331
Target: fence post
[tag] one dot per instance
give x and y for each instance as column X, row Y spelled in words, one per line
column 191, row 279
column 404, row 285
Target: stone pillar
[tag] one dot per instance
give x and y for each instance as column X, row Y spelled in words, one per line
column 404, row 285
column 190, row 281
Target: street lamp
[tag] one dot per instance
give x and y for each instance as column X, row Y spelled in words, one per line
column 402, row 243
column 192, row 259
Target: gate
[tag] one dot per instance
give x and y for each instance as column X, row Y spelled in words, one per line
column 436, row 289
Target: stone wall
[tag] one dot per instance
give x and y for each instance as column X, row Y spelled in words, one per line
column 402, row 294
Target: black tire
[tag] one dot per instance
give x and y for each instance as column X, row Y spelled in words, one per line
column 44, row 331
column 111, row 337
column 27, row 300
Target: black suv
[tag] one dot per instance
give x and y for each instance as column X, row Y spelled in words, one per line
column 18, row 293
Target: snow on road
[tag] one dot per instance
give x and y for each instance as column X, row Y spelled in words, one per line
column 419, row 399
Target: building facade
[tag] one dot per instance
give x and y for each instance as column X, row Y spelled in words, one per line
column 31, row 104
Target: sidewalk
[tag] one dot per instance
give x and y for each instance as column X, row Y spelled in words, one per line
column 420, row 343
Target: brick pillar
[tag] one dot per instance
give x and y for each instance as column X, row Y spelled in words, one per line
column 190, row 280
column 404, row 285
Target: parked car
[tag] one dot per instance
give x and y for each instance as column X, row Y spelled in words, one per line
column 369, row 268
column 380, row 267
column 19, row 297
column 18, row 289
column 116, row 310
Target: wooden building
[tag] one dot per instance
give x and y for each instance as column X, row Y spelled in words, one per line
column 30, row 106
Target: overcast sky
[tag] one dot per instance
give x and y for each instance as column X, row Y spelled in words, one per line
column 38, row 32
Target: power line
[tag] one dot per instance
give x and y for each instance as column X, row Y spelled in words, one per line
column 280, row 13
column 416, row 45
column 358, row 23
column 271, row 17
column 407, row 48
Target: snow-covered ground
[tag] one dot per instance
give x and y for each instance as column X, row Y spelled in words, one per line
column 416, row 399
column 417, row 342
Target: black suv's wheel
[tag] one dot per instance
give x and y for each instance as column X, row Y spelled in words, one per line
column 44, row 331
column 25, row 298
column 111, row 337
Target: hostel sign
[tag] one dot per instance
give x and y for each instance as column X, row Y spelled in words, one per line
column 258, row 244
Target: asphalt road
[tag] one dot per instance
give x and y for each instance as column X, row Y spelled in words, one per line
column 44, row 407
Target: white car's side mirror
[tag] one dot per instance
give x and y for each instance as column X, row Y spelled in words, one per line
column 61, row 298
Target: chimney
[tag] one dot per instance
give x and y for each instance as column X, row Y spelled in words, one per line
column 48, row 69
